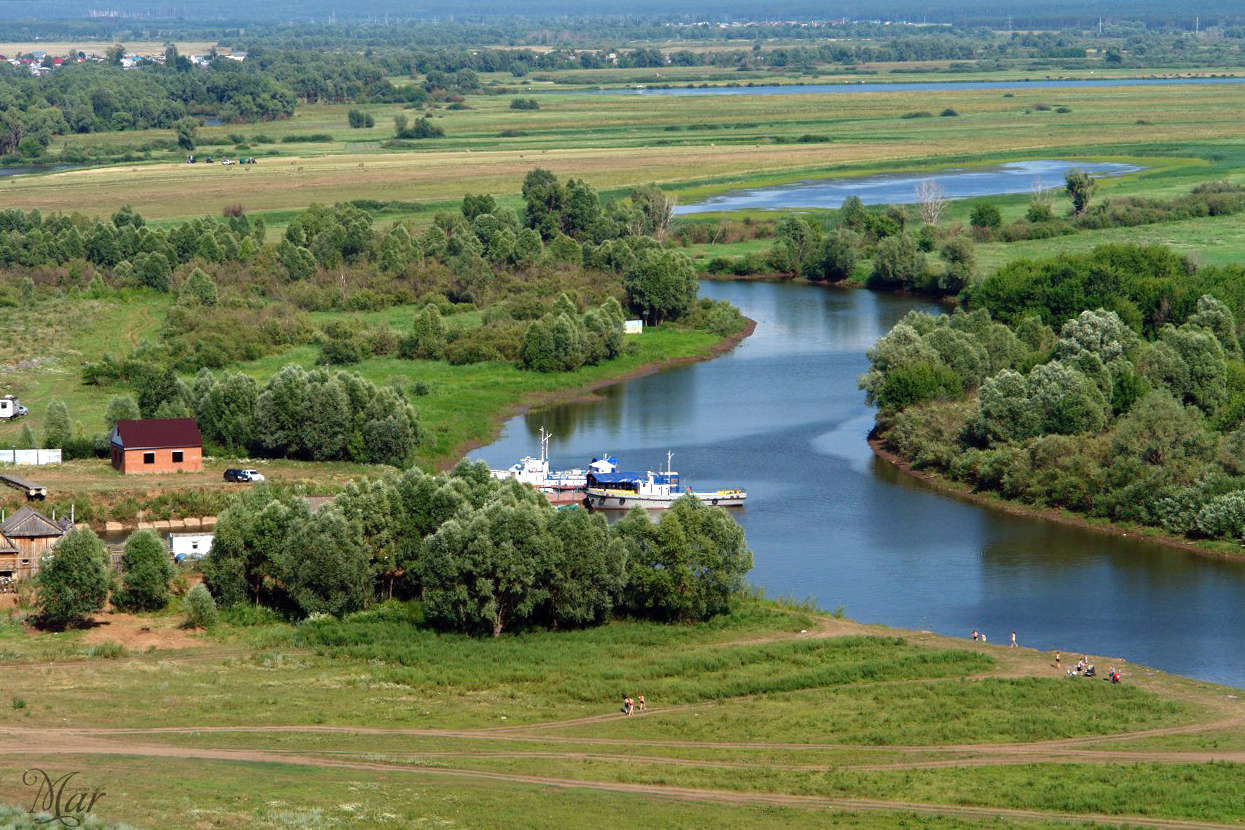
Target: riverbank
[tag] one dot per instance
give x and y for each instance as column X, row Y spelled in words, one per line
column 540, row 400
column 955, row 489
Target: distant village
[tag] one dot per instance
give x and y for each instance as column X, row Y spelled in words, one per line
column 39, row 62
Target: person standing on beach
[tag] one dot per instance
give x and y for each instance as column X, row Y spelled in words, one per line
column 975, row 635
column 1056, row 658
column 1013, row 645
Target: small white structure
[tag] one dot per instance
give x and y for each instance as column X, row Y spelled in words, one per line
column 189, row 546
column 633, row 327
column 11, row 408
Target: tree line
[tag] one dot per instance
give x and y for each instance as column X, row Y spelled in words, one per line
column 483, row 556
column 1131, row 409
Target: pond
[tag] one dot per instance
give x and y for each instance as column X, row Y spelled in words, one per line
column 26, row 170
column 901, row 188
column 781, row 416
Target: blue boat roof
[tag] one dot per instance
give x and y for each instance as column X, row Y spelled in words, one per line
column 612, row 459
column 616, row 478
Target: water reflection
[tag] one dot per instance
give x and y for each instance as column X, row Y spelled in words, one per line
column 782, row 417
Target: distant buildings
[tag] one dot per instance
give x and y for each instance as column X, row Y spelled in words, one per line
column 25, row 538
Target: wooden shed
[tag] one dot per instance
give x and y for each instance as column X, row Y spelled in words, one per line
column 25, row 538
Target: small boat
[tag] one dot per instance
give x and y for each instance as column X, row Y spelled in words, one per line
column 653, row 491
column 537, row 472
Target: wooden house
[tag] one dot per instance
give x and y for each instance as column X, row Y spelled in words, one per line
column 25, row 538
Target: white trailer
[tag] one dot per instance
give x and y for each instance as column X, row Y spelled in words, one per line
column 11, row 408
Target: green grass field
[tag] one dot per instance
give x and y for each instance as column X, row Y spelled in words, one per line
column 771, row 713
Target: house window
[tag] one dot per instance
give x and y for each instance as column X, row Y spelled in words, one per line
column 149, row 458
column 178, row 456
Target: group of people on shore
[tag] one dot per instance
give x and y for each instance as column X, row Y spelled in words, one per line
column 631, row 706
column 980, row 637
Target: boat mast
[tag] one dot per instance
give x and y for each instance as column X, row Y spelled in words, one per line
column 544, row 443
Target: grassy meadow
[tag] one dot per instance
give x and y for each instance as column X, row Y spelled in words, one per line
column 770, row 713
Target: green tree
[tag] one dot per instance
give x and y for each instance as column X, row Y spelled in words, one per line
column 153, row 270
column 853, row 216
column 57, row 429
column 327, row 567
column 835, row 259
column 26, row 439
column 1080, row 187
column 198, row 289
column 959, row 256
column 661, row 286
column 72, row 582
column 146, row 571
column 898, row 262
column 187, row 130
column 985, row 215
column 688, row 565
column 121, row 408
column 427, row 338
column 249, row 546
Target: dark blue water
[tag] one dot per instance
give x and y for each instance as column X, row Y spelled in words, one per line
column 23, row 170
column 781, row 416
column 910, row 86
column 901, row 188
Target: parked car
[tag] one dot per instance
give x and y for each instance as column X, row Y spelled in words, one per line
column 243, row 475
column 254, row 475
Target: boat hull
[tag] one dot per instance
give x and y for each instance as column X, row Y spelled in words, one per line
column 616, row 500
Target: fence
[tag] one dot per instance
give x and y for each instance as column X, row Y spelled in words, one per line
column 37, row 457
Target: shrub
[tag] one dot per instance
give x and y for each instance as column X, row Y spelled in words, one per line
column 918, row 114
column 73, row 582
column 985, row 215
column 948, row 113
column 200, row 607
column 524, row 104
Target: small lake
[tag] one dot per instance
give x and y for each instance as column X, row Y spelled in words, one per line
column 911, row 86
column 900, row 188
column 781, row 416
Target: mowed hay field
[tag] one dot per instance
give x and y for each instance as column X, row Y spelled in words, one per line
column 616, row 141
column 769, row 716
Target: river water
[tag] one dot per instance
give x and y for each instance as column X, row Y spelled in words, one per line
column 910, row 86
column 781, row 416
column 901, row 188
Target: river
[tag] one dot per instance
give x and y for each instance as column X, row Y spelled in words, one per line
column 781, row 416
column 902, row 188
column 908, row 86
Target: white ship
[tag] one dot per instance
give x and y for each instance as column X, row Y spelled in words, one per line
column 610, row 490
column 536, row 471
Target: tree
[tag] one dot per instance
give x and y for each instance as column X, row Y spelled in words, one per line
column 661, row 286
column 198, row 289
column 26, row 439
column 485, row 570
column 153, row 270
column 427, row 338
column 985, row 215
column 327, row 567
column 146, row 571
column 249, row 546
column 543, row 197
column 1080, row 187
column 586, row 572
column 72, row 582
column 187, row 130
column 688, row 565
column 931, row 201
column 121, row 408
column 960, row 258
column 898, row 261
column 656, row 209
column 200, row 607
column 56, row 425
column 224, row 408
column 853, row 216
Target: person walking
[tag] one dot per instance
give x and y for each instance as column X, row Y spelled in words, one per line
column 1056, row 658
column 641, row 703
column 975, row 635
column 1013, row 645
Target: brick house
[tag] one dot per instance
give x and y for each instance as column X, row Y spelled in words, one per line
column 157, row 445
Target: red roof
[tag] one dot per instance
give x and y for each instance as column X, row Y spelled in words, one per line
column 157, row 433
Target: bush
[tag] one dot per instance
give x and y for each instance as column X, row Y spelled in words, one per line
column 918, row 114
column 985, row 215
column 948, row 113
column 524, row 104
column 146, row 571
column 200, row 607
column 898, row 262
